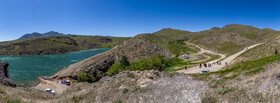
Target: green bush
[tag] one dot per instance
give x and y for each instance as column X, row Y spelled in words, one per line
column 209, row 99
column 82, row 77
column 91, row 78
column 136, row 89
column 13, row 100
column 225, row 90
column 115, row 69
column 2, row 91
column 125, row 90
column 124, row 62
column 118, row 101
column 76, row 99
column 154, row 62
column 98, row 75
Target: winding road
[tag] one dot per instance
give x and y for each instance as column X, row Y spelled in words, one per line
column 215, row 67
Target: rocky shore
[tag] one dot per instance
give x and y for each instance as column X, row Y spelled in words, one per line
column 4, row 75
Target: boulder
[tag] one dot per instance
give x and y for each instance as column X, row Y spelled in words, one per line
column 4, row 75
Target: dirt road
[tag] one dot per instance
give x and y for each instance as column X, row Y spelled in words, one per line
column 216, row 67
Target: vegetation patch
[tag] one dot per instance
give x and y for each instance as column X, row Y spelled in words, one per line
column 225, row 90
column 118, row 101
column 76, row 99
column 209, row 99
column 13, row 100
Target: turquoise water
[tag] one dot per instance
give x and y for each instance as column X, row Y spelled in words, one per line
column 25, row 69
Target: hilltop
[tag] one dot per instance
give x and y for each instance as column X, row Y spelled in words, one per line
column 38, row 35
column 227, row 40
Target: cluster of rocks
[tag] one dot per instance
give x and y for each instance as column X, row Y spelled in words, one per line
column 152, row 86
column 4, row 75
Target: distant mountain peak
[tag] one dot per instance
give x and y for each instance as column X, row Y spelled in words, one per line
column 38, row 35
column 215, row 28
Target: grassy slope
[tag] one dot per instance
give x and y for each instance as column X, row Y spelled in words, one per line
column 228, row 40
column 60, row 44
column 173, row 45
column 230, row 43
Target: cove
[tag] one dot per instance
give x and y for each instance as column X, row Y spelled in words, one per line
column 26, row 69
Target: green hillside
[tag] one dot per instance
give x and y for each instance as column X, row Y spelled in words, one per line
column 58, row 44
column 228, row 39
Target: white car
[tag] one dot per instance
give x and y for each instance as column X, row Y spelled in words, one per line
column 205, row 71
column 50, row 91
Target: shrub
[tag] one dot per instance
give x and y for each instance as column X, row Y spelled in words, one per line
column 91, row 78
column 2, row 91
column 136, row 89
column 124, row 62
column 76, row 99
column 118, row 101
column 82, row 77
column 125, row 90
column 209, row 99
column 98, row 75
column 115, row 69
column 13, row 100
column 225, row 90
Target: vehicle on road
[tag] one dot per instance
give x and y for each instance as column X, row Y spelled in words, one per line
column 205, row 71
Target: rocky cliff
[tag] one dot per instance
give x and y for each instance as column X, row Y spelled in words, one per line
column 4, row 75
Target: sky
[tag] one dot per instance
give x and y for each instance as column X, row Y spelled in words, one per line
column 128, row 18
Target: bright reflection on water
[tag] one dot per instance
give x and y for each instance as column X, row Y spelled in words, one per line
column 25, row 69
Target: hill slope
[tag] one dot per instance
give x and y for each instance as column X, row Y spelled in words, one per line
column 58, row 44
column 170, row 42
column 227, row 40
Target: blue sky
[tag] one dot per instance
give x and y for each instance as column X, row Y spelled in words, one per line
column 131, row 17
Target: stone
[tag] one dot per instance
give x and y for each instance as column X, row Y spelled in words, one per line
column 4, row 75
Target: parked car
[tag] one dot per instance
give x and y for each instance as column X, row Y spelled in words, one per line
column 205, row 71
column 50, row 91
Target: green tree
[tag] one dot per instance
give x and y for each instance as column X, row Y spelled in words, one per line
column 115, row 69
column 82, row 77
column 124, row 62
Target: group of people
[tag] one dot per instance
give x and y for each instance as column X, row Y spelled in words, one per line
column 210, row 64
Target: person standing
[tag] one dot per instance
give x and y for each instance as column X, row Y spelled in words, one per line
column 276, row 51
column 226, row 63
column 186, row 67
column 200, row 65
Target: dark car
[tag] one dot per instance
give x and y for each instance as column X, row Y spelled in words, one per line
column 205, row 71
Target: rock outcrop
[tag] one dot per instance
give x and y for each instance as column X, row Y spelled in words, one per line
column 4, row 75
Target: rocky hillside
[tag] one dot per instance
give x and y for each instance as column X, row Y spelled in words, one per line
column 134, row 49
column 4, row 75
column 38, row 35
column 129, row 87
column 58, row 44
column 229, row 39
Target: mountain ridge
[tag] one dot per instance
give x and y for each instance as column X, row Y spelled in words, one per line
column 38, row 35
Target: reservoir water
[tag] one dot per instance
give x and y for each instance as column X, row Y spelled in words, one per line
column 25, row 69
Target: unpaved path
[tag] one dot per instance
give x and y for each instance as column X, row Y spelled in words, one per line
column 216, row 67
column 202, row 50
column 51, row 84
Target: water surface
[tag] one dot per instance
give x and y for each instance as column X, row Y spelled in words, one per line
column 25, row 69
